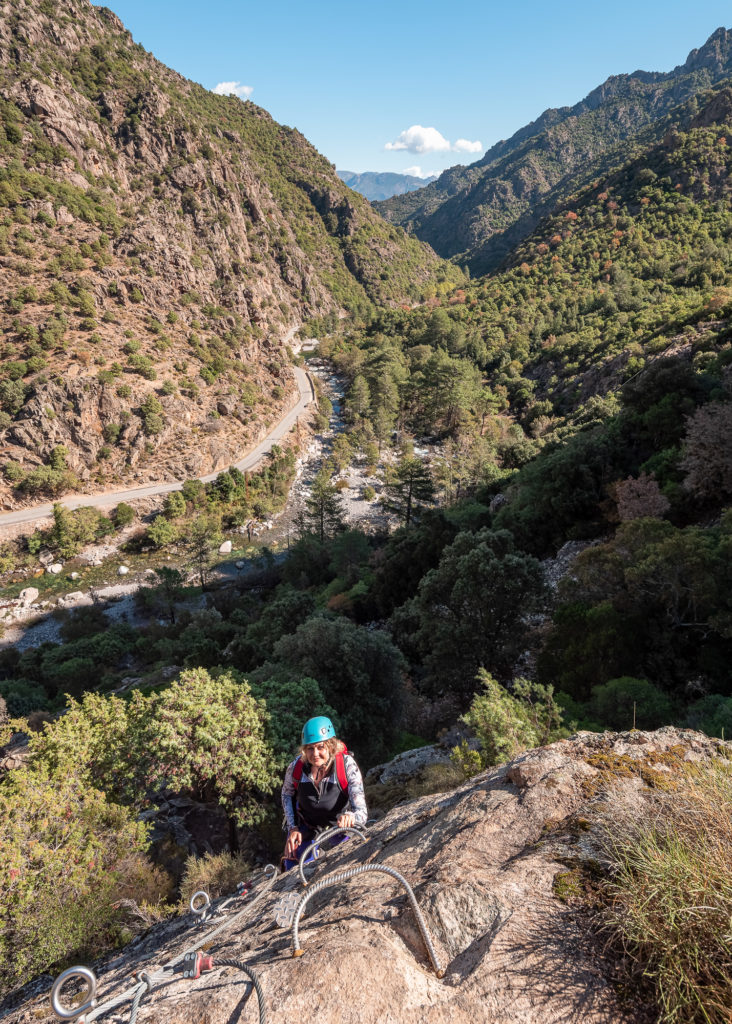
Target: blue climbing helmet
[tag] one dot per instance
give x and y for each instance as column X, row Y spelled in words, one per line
column 316, row 730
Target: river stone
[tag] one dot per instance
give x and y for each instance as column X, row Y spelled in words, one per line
column 225, row 548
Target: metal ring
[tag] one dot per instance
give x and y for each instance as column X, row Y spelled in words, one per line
column 66, row 1013
column 200, row 911
column 270, row 871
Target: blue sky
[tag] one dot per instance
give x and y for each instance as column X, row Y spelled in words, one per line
column 354, row 79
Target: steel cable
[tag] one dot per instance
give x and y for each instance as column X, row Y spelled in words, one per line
column 327, row 833
column 129, row 994
column 254, row 980
column 351, row 873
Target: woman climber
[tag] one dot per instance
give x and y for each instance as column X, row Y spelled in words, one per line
column 322, row 788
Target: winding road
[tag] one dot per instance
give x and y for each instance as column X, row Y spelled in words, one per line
column 72, row 501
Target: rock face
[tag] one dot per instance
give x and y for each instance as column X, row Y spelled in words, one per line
column 481, row 860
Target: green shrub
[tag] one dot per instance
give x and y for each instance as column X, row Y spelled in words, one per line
column 174, row 506
column 123, row 515
column 63, row 849
column 508, row 723
column 627, row 702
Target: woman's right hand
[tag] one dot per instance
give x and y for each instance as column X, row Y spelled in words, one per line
column 293, row 841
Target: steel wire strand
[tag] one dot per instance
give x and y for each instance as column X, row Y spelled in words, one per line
column 145, row 986
column 328, row 833
column 351, row 873
column 130, row 993
column 254, row 978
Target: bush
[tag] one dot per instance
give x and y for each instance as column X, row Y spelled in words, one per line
column 161, row 532
column 174, row 506
column 217, row 874
column 508, row 723
column 627, row 702
column 62, row 847
column 123, row 515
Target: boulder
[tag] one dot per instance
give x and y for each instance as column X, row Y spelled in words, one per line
column 225, row 548
column 55, row 569
column 123, row 570
column 410, row 762
column 27, row 596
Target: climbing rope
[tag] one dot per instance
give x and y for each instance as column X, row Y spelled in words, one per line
column 312, row 851
column 351, row 873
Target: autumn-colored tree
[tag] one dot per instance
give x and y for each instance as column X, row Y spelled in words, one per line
column 707, row 457
column 640, row 497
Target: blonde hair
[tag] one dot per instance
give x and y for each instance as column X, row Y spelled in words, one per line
column 333, row 746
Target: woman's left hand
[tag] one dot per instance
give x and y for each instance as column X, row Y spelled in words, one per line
column 347, row 820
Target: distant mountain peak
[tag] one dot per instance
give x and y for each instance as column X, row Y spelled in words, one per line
column 379, row 185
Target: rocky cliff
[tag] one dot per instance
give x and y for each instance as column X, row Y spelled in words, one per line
column 485, row 861
column 158, row 242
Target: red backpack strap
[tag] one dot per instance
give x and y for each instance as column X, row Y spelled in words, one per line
column 341, row 770
column 297, row 772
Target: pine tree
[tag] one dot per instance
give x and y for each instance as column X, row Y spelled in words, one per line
column 324, row 510
column 408, row 487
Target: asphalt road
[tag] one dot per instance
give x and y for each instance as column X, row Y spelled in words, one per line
column 72, row 501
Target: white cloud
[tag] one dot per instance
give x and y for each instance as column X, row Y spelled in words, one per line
column 428, row 140
column 464, row 146
column 417, row 172
column 420, row 140
column 234, row 89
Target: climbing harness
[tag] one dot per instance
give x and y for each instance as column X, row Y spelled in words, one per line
column 351, row 873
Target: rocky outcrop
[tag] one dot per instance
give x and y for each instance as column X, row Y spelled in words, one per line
column 482, row 861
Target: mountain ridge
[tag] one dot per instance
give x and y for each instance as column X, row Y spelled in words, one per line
column 465, row 213
column 383, row 184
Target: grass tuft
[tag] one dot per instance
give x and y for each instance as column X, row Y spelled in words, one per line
column 669, row 897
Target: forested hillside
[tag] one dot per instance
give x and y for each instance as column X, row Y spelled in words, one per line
column 157, row 243
column 477, row 214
